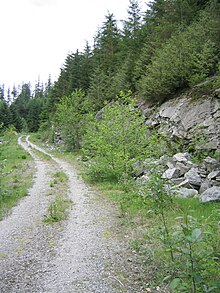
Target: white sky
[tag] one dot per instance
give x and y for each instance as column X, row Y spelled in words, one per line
column 37, row 35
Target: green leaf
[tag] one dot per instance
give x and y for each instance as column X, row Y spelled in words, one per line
column 174, row 284
column 166, row 278
column 176, row 233
column 185, row 250
column 196, row 233
column 211, row 289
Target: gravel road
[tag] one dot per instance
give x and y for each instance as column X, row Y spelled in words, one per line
column 87, row 252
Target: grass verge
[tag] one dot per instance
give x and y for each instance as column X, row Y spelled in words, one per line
column 191, row 232
column 16, row 171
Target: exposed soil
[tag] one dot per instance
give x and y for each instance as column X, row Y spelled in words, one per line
column 87, row 252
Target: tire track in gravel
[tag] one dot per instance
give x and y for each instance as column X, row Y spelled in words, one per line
column 24, row 249
column 90, row 253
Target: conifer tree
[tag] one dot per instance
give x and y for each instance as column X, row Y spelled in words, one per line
column 5, row 114
column 2, row 92
column 107, row 45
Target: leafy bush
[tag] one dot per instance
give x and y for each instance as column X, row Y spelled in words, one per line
column 114, row 139
column 70, row 119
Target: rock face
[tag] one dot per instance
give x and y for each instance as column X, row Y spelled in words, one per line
column 196, row 122
column 188, row 119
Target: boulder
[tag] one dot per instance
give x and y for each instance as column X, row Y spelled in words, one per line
column 186, row 192
column 204, row 186
column 139, row 168
column 211, row 194
column 187, row 184
column 211, row 164
column 181, row 157
column 171, row 173
column 142, row 180
column 193, row 177
column 214, row 174
column 183, row 168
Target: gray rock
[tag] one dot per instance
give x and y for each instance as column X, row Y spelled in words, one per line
column 181, row 157
column 171, row 173
column 139, row 168
column 141, row 180
column 170, row 164
column 211, row 164
column 186, row 183
column 193, row 177
column 214, row 174
column 186, row 192
column 188, row 119
column 183, row 168
column 164, row 160
column 176, row 181
column 211, row 194
column 204, row 186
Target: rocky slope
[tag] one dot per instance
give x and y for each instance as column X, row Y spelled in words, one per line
column 193, row 121
column 190, row 119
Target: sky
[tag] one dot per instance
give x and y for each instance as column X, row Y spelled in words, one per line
column 37, row 35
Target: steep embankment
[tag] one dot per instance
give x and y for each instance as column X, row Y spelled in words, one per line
column 193, row 118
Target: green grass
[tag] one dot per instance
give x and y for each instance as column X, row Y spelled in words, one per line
column 42, row 155
column 57, row 210
column 147, row 229
column 59, row 177
column 15, row 173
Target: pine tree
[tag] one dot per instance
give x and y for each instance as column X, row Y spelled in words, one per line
column 14, row 93
column 87, row 68
column 5, row 114
column 131, row 31
column 131, row 43
column 2, row 92
column 98, row 91
column 107, row 45
column 21, row 104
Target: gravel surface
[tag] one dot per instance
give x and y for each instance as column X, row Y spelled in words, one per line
column 88, row 252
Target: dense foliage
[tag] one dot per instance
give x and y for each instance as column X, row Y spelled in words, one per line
column 114, row 139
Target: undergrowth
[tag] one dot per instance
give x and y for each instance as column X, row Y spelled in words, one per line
column 179, row 241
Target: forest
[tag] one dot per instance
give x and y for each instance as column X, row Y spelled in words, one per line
column 155, row 54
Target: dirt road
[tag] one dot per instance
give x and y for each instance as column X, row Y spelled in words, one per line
column 87, row 252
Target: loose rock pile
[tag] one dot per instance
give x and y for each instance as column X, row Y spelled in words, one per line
column 185, row 178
